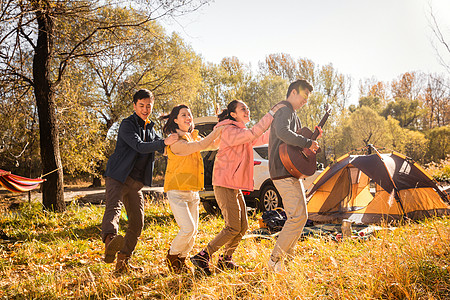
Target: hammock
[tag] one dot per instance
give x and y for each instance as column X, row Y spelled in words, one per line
column 18, row 184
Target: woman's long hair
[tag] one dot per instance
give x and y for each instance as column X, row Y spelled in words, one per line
column 171, row 126
column 231, row 107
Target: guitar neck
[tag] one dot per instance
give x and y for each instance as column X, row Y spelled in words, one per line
column 321, row 123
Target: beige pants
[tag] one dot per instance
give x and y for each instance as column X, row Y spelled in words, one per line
column 294, row 202
column 184, row 205
column 234, row 211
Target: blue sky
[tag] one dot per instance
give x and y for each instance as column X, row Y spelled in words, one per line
column 379, row 39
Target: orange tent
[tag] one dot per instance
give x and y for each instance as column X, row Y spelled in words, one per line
column 370, row 188
column 18, row 184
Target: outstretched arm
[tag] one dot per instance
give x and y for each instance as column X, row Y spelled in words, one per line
column 131, row 137
column 183, row 147
column 233, row 135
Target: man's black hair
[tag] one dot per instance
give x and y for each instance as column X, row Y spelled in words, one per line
column 298, row 85
column 142, row 94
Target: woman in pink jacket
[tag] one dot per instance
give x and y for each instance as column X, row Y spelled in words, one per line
column 233, row 172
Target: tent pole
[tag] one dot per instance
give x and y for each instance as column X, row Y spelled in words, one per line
column 396, row 195
column 397, row 198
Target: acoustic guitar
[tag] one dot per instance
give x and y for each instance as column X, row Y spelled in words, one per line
column 301, row 162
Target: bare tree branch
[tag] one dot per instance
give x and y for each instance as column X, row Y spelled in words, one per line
column 441, row 39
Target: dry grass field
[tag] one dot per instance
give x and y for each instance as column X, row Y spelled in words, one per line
column 59, row 256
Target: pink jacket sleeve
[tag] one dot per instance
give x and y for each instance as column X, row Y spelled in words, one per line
column 233, row 135
column 263, row 139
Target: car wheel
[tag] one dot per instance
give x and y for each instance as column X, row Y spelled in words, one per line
column 211, row 207
column 269, row 199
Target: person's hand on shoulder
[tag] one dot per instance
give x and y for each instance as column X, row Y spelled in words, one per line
column 275, row 108
column 172, row 138
column 218, row 130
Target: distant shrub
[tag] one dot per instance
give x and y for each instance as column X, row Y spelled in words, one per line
column 440, row 171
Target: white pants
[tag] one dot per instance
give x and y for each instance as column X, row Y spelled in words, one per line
column 294, row 202
column 184, row 205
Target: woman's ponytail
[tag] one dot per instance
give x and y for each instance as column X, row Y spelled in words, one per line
column 231, row 107
column 223, row 115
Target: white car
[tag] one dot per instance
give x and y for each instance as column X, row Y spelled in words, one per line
column 264, row 196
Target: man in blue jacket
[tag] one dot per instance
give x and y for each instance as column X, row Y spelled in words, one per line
column 129, row 168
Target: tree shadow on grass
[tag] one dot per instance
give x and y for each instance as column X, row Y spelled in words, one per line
column 71, row 233
column 78, row 232
column 159, row 220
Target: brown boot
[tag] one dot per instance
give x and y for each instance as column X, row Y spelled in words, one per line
column 113, row 244
column 173, row 262
column 226, row 263
column 201, row 262
column 184, row 268
column 123, row 264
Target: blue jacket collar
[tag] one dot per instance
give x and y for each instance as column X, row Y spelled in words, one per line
column 141, row 122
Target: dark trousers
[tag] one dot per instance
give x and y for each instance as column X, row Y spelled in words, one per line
column 130, row 195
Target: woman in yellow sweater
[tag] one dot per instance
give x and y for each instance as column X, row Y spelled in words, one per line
column 183, row 179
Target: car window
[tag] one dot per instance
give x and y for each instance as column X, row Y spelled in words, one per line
column 204, row 129
column 263, row 152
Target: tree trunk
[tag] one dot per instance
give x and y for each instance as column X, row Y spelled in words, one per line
column 53, row 187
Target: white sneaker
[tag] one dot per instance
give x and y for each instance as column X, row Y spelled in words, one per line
column 276, row 267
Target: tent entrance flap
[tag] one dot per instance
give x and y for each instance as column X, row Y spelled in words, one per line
column 349, row 192
column 340, row 193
